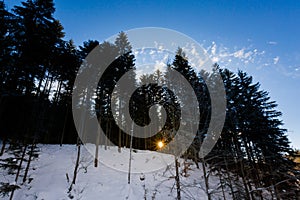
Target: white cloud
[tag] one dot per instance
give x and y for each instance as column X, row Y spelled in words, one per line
column 213, row 48
column 215, row 59
column 233, row 58
column 276, row 59
column 151, row 52
column 160, row 65
column 290, row 71
column 237, row 57
column 248, row 54
column 271, row 42
column 239, row 53
column 158, row 46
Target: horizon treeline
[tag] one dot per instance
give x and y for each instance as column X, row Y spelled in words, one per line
column 37, row 73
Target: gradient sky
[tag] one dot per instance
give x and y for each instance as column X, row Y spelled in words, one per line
column 259, row 37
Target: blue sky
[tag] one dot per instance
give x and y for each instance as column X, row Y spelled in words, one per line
column 259, row 37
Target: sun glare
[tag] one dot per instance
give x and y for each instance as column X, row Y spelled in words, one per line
column 160, row 144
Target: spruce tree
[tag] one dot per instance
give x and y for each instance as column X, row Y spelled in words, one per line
column 6, row 50
column 38, row 34
column 253, row 145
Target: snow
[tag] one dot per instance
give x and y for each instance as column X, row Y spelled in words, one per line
column 107, row 181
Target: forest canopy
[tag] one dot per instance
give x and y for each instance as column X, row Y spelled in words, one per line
column 38, row 68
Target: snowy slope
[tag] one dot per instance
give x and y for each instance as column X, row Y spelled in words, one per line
column 49, row 179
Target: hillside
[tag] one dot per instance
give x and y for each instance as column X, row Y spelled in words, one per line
column 47, row 177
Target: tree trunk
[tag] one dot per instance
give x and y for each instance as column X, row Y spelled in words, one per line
column 40, row 82
column 130, row 154
column 244, row 180
column 120, row 132
column 58, row 89
column 240, row 166
column 229, row 179
column 64, row 128
column 97, row 146
column 3, row 147
column 255, row 176
column 107, row 135
column 29, row 161
column 50, row 85
column 120, row 141
column 206, row 180
column 177, row 179
column 18, row 172
column 46, row 85
column 221, row 181
column 76, row 165
column 21, row 162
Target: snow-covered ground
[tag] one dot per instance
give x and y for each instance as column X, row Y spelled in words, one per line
column 48, row 174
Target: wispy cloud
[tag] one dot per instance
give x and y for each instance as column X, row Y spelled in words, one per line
column 290, row 71
column 249, row 56
column 272, row 43
column 290, row 66
column 243, row 57
column 276, row 59
column 228, row 57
